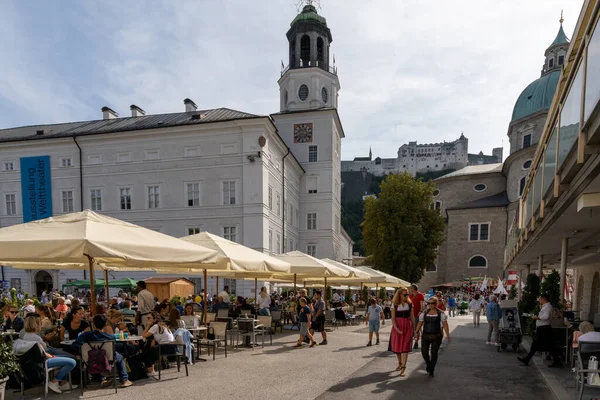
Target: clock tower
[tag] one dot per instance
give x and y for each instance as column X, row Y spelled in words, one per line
column 309, row 81
column 310, row 126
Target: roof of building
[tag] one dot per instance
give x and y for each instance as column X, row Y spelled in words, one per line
column 309, row 13
column 561, row 38
column 122, row 124
column 362, row 158
column 474, row 170
column 537, row 96
column 160, row 279
column 496, row 200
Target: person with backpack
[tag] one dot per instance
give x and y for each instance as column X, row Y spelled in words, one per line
column 432, row 321
column 97, row 359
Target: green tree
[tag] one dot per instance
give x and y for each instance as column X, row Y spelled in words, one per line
column 348, row 296
column 531, row 292
column 551, row 286
column 401, row 231
column 513, row 292
column 382, row 293
column 365, row 295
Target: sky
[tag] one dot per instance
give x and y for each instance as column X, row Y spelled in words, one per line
column 410, row 70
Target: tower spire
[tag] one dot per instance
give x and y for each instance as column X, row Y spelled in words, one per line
column 370, row 154
column 561, row 20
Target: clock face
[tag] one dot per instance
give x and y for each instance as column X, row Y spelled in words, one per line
column 303, row 133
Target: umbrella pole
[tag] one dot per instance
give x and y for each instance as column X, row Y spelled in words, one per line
column 92, row 289
column 376, row 290
column 255, row 290
column 205, row 298
column 295, row 294
column 106, row 288
column 326, row 293
column 217, row 288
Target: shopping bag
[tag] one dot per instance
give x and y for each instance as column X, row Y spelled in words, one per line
column 593, row 378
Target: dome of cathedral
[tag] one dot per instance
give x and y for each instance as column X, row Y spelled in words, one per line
column 309, row 13
column 537, row 96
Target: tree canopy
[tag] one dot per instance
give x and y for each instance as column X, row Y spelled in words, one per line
column 401, row 231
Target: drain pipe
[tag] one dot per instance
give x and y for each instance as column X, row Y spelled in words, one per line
column 283, row 196
column 80, row 185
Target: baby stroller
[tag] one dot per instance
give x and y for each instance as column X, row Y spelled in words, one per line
column 509, row 326
column 463, row 306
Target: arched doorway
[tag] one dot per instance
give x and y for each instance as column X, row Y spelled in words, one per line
column 43, row 281
column 595, row 295
column 579, row 296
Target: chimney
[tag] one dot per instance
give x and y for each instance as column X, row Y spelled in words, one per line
column 190, row 106
column 136, row 111
column 108, row 113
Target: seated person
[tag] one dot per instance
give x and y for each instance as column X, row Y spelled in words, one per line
column 28, row 307
column 114, row 303
column 98, row 336
column 61, row 308
column 188, row 311
column 220, row 304
column 159, row 334
column 114, row 322
column 13, row 320
column 163, row 311
column 66, row 364
column 587, row 335
column 126, row 309
column 74, row 324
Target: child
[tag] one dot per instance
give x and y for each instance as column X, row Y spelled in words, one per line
column 374, row 314
column 304, row 319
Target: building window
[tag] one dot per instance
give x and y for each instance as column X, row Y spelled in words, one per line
column 15, row 283
column 95, row 159
column 194, row 230
column 479, row 232
column 522, row 185
column 436, row 205
column 311, row 250
column 123, row 157
column 229, row 233
column 312, row 154
column 278, row 243
column 270, row 198
column 152, row 154
column 67, row 201
column 551, row 63
column 229, row 192
column 527, row 140
column 312, row 183
column 96, row 199
column 303, row 92
column 478, row 262
column 125, row 198
column 278, row 204
column 153, row 196
column 436, row 193
column 527, row 164
column 431, row 268
column 66, row 162
column 270, row 240
column 561, row 60
column 193, row 194
column 9, row 166
column 480, row 187
column 192, row 152
column 11, row 204
column 311, row 221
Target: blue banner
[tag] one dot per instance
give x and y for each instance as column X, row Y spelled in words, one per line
column 36, row 188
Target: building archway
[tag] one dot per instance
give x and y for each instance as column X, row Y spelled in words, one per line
column 43, row 281
column 595, row 294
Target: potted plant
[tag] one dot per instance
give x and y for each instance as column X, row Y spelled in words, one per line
column 529, row 303
column 8, row 365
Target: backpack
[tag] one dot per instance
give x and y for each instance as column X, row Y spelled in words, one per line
column 98, row 361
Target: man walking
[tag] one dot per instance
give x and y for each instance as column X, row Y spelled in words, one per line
column 493, row 314
column 225, row 295
column 451, row 306
column 146, row 303
column 418, row 300
column 544, row 340
column 318, row 320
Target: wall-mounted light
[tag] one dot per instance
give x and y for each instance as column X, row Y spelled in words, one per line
column 250, row 158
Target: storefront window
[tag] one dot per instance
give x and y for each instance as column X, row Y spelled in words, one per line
column 569, row 119
column 550, row 161
column 592, row 80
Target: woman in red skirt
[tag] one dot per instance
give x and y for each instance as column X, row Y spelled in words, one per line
column 403, row 322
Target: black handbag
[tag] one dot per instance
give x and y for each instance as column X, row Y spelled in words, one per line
column 210, row 334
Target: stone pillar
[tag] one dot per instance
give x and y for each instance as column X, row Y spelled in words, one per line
column 528, row 270
column 540, row 265
column 564, row 253
column 298, row 51
column 313, row 49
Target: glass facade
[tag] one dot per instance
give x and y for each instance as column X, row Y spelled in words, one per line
column 569, row 119
column 550, row 161
column 592, row 80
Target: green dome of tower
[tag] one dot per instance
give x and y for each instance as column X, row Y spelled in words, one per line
column 537, row 96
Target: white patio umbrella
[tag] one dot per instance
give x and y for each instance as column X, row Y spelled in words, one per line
column 500, row 289
column 86, row 239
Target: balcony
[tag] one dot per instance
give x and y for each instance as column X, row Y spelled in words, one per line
column 309, row 64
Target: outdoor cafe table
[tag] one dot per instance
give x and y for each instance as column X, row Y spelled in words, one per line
column 132, row 338
column 196, row 333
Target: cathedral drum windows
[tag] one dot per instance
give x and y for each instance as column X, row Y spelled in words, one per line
column 324, row 95
column 480, row 187
column 303, row 92
column 527, row 164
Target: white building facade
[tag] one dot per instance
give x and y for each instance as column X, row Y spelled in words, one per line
column 252, row 179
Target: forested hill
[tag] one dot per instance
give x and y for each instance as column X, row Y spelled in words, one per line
column 356, row 185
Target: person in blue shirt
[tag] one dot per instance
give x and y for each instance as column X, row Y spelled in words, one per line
column 451, row 306
column 98, row 336
column 493, row 314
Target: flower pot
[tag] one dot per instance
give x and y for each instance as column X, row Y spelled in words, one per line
column 3, row 382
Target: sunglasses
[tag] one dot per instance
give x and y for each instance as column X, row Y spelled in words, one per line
column 432, row 304
column 13, row 312
column 405, row 294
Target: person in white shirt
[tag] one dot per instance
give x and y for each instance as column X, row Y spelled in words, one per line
column 544, row 340
column 225, row 294
column 264, row 302
column 146, row 302
column 475, row 306
column 336, row 297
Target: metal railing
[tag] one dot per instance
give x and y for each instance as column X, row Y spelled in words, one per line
column 328, row 68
